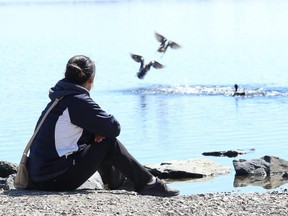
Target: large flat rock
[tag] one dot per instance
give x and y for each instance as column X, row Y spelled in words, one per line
column 191, row 168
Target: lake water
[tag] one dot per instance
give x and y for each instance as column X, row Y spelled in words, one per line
column 175, row 113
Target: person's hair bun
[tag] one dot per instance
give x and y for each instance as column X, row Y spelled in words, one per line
column 79, row 69
column 73, row 68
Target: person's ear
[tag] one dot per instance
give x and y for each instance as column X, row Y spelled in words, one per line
column 91, row 80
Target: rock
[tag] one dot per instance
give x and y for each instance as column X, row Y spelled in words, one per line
column 264, row 166
column 285, row 175
column 7, row 174
column 7, row 168
column 2, row 182
column 9, row 184
column 94, row 182
column 230, row 153
column 192, row 168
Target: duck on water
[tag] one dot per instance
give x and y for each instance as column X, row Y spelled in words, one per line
column 238, row 93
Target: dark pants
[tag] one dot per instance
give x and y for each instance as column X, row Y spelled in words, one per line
column 109, row 154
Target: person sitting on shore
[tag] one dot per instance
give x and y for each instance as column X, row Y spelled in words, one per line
column 78, row 138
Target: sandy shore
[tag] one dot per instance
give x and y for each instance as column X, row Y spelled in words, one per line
column 102, row 202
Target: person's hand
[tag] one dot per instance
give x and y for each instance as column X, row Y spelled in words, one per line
column 98, row 138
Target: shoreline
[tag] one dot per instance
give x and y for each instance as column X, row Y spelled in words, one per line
column 121, row 202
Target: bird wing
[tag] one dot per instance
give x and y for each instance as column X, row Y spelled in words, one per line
column 136, row 58
column 174, row 45
column 157, row 65
column 160, row 37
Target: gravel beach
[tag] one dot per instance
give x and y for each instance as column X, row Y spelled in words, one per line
column 121, row 202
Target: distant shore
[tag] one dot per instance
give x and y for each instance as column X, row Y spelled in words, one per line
column 120, row 202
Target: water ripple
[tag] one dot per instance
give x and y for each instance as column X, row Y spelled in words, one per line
column 209, row 91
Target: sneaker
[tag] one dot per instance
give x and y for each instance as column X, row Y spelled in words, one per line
column 160, row 188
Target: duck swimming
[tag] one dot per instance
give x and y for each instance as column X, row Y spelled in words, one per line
column 164, row 43
column 236, row 92
column 144, row 68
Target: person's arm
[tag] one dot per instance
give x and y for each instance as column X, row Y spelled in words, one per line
column 85, row 113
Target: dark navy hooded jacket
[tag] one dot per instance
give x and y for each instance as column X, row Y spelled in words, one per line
column 74, row 121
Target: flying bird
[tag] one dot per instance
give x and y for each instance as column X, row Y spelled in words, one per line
column 164, row 43
column 144, row 68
